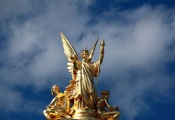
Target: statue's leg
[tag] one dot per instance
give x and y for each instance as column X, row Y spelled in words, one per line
column 114, row 114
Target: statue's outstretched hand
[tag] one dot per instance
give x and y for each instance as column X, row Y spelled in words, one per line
column 116, row 108
column 102, row 43
column 111, row 108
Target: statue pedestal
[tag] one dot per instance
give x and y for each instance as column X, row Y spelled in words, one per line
column 84, row 115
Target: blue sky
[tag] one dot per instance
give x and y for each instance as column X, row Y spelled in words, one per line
column 139, row 62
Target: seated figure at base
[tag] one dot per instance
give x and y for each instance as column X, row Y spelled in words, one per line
column 59, row 106
column 105, row 110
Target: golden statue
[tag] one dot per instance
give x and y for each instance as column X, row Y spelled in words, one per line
column 105, row 110
column 59, row 106
column 83, row 73
column 80, row 97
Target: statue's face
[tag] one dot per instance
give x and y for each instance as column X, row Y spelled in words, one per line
column 84, row 55
column 55, row 90
column 107, row 96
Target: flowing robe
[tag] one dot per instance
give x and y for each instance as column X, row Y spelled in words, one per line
column 85, row 84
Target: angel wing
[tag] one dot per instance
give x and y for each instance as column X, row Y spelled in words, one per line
column 69, row 51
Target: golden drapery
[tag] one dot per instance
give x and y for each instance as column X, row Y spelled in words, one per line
column 85, row 83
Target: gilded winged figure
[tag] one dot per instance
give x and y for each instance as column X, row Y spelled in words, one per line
column 83, row 73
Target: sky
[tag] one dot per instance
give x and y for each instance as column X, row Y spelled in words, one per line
column 139, row 62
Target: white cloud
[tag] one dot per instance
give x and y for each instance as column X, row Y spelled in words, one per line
column 12, row 101
column 34, row 53
column 6, row 96
column 11, row 7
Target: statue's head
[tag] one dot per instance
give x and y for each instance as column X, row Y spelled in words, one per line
column 85, row 54
column 55, row 90
column 105, row 94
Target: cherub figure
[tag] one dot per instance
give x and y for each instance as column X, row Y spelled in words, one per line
column 83, row 73
column 105, row 110
column 59, row 106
